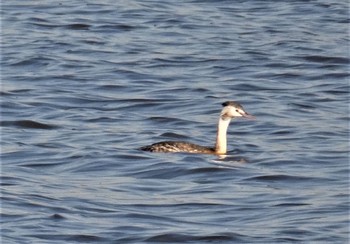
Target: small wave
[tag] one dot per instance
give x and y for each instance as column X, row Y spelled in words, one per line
column 122, row 27
column 75, row 238
column 38, row 60
column 325, row 59
column 78, row 26
column 182, row 238
column 28, row 124
column 279, row 177
column 57, row 217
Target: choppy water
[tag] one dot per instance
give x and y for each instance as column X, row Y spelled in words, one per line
column 86, row 83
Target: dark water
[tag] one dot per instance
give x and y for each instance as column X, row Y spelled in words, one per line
column 86, row 83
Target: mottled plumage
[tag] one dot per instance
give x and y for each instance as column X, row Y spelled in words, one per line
column 177, row 146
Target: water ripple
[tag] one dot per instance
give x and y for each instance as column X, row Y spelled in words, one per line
column 84, row 85
column 28, row 124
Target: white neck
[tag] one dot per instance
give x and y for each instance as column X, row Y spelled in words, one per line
column 221, row 141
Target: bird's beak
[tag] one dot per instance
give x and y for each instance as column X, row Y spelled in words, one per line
column 247, row 115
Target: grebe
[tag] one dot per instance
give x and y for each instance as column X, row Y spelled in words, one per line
column 231, row 110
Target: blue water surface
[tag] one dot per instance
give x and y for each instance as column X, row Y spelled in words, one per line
column 86, row 83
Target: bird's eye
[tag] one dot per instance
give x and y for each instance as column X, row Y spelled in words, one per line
column 237, row 111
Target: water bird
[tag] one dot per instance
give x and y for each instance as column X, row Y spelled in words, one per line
column 230, row 111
